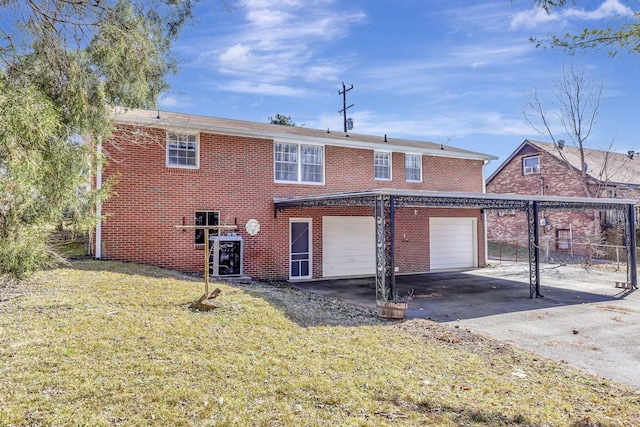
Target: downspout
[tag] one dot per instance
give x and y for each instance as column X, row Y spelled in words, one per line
column 98, row 252
column 484, row 216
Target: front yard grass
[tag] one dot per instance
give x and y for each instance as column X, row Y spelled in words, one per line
column 105, row 343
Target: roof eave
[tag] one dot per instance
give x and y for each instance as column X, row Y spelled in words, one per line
column 343, row 141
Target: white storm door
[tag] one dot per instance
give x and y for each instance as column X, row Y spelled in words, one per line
column 300, row 249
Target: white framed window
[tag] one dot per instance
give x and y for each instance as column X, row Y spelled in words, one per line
column 530, row 165
column 382, row 165
column 413, row 167
column 563, row 239
column 182, row 150
column 298, row 163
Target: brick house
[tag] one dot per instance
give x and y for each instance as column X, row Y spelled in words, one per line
column 177, row 170
column 540, row 168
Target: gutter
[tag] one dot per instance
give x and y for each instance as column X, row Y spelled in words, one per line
column 342, row 141
column 98, row 252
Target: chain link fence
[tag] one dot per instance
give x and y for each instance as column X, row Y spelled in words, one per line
column 517, row 250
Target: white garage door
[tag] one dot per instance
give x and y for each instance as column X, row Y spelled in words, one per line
column 453, row 243
column 348, row 246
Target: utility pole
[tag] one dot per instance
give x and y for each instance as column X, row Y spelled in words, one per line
column 343, row 92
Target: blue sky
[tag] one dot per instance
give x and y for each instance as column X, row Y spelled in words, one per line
column 446, row 71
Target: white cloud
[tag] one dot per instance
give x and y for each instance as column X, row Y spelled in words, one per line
column 429, row 126
column 534, row 17
column 278, row 40
column 489, row 51
column 607, row 9
column 475, row 64
column 238, row 54
column 261, row 88
column 170, row 101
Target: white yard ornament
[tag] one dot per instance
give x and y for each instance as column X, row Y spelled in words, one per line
column 252, row 227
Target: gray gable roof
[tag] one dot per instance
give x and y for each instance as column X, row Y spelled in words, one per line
column 607, row 167
column 190, row 122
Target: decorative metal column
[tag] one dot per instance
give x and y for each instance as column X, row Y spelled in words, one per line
column 630, row 240
column 391, row 247
column 384, row 211
column 534, row 249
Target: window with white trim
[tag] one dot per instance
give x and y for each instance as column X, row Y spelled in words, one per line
column 530, row 165
column 182, row 150
column 413, row 167
column 382, row 165
column 563, row 239
column 205, row 218
column 311, row 163
column 298, row 163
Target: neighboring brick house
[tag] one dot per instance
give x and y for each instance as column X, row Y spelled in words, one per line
column 177, row 169
column 540, row 168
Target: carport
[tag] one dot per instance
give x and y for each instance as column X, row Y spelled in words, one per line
column 385, row 202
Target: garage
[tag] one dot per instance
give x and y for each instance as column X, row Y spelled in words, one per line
column 453, row 243
column 348, row 246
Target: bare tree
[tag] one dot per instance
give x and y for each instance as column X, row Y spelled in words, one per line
column 570, row 111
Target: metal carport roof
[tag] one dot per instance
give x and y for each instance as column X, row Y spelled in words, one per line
column 386, row 200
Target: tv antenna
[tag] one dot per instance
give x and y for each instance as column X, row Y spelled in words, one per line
column 348, row 124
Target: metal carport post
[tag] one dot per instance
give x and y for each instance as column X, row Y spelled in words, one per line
column 630, row 234
column 384, row 214
column 534, row 249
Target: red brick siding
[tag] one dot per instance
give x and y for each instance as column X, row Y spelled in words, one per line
column 236, row 178
column 557, row 180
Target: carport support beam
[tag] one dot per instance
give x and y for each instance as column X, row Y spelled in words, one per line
column 385, row 275
column 632, row 264
column 534, row 249
column 391, row 254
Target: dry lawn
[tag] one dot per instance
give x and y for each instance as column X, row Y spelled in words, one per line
column 113, row 344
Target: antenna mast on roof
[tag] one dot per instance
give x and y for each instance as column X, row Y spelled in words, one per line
column 343, row 92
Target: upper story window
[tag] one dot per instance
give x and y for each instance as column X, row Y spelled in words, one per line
column 382, row 165
column 413, row 167
column 299, row 163
column 182, row 150
column 530, row 165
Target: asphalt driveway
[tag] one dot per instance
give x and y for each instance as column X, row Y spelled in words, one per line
column 583, row 319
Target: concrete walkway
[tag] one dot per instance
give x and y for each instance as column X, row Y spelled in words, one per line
column 583, row 319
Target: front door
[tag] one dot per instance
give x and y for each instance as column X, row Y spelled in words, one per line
column 300, row 261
